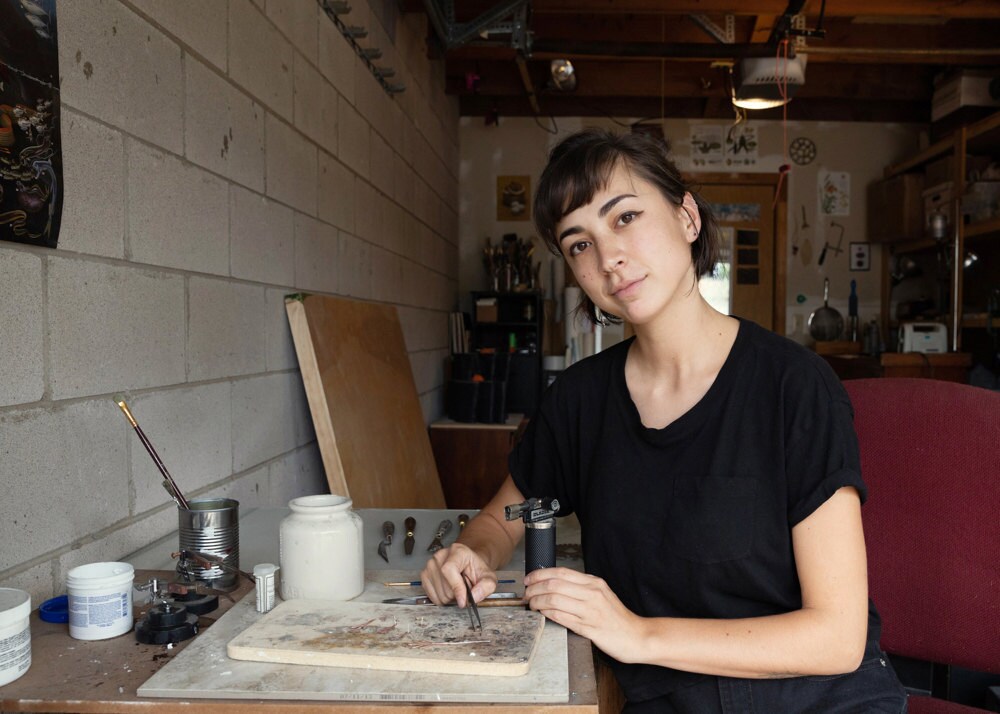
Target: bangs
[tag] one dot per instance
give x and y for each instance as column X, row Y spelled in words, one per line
column 569, row 182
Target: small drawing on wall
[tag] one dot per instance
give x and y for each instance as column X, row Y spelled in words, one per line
column 834, row 193
column 513, row 198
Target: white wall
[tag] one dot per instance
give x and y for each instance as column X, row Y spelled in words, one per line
column 217, row 156
column 520, row 146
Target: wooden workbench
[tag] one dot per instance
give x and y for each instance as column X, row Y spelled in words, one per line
column 102, row 676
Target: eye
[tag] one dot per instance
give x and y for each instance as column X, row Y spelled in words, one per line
column 577, row 248
column 627, row 217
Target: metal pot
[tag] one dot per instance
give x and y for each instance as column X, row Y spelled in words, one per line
column 825, row 323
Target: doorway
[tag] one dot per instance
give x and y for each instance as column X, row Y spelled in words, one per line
column 750, row 279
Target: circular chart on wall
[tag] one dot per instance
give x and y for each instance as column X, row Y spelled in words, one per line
column 802, row 150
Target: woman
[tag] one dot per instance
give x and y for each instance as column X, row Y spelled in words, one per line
column 712, row 464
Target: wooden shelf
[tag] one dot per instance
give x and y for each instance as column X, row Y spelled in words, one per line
column 983, row 228
column 976, row 320
column 935, row 150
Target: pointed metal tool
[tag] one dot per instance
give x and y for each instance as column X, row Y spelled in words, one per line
column 388, row 528
column 410, row 524
column 444, row 527
column 470, row 605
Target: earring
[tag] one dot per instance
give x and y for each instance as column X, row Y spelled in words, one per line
column 601, row 319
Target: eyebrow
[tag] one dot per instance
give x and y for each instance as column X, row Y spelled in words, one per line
column 604, row 210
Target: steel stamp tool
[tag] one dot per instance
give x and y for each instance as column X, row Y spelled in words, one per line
column 388, row 528
column 444, row 527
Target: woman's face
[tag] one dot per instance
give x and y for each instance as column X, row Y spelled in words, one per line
column 630, row 248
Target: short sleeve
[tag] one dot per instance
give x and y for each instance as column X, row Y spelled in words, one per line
column 821, row 454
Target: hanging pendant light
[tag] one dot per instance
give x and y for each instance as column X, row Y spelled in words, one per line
column 563, row 75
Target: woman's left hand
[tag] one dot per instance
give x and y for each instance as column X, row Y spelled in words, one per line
column 587, row 606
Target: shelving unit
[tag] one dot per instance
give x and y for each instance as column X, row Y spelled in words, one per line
column 967, row 294
column 517, row 328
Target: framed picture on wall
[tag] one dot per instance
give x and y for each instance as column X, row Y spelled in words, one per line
column 31, row 184
column 513, row 198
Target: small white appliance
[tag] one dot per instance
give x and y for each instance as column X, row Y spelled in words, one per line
column 927, row 337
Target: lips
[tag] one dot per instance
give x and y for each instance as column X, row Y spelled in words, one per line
column 627, row 288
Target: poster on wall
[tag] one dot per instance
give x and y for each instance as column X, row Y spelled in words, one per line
column 31, row 184
column 513, row 198
column 741, row 145
column 706, row 145
column 834, row 193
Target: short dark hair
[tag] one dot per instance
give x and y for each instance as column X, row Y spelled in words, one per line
column 582, row 164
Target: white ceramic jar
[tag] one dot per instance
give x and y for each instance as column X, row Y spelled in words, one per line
column 321, row 550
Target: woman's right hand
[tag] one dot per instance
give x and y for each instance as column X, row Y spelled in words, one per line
column 443, row 580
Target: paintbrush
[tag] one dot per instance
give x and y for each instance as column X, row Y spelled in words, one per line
column 169, row 484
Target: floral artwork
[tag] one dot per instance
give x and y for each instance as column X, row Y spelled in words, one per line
column 834, row 193
column 31, row 184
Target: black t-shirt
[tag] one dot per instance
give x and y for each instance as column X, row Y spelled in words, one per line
column 695, row 519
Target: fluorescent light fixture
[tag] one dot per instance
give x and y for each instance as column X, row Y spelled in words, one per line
column 766, row 82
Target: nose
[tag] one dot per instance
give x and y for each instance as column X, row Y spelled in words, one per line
column 612, row 254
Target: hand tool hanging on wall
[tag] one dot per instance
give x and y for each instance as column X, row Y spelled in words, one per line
column 411, row 525
column 837, row 249
column 387, row 530
column 444, row 527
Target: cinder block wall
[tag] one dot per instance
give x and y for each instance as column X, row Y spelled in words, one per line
column 218, row 155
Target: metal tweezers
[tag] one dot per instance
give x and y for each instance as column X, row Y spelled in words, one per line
column 470, row 605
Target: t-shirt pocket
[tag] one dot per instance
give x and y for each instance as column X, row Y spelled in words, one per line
column 710, row 519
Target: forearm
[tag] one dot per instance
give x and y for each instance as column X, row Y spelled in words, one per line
column 803, row 642
column 489, row 534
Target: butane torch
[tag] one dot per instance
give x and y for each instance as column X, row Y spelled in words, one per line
column 540, row 531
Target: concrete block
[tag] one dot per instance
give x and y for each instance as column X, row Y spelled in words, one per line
column 280, row 353
column 93, row 163
column 122, row 70
column 426, row 203
column 191, row 431
column 432, row 405
column 387, row 276
column 64, row 473
column 373, row 103
column 37, row 581
column 315, row 105
column 337, row 59
column 393, row 226
column 250, row 489
column 225, row 329
column 178, row 213
column 202, row 26
column 403, row 188
column 223, row 128
column 428, row 369
column 316, row 255
column 112, row 328
column 291, row 166
column 382, row 164
column 261, row 238
column 299, row 22
column 367, row 218
column 336, row 192
column 260, row 58
column 355, row 267
column 353, row 138
column 120, row 543
column 299, row 473
column 423, row 329
column 270, row 417
column 21, row 326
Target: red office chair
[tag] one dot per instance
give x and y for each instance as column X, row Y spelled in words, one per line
column 930, row 454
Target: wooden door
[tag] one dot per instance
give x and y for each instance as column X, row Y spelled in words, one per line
column 752, row 224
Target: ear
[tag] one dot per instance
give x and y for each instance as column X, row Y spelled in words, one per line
column 690, row 217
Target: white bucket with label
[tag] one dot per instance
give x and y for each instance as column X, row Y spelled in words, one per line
column 15, row 634
column 100, row 600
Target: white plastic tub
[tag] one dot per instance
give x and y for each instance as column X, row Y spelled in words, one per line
column 100, row 600
column 15, row 634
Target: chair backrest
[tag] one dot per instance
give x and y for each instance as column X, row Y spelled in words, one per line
column 930, row 455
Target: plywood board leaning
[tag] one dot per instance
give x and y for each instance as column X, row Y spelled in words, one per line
column 364, row 402
column 408, row 638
